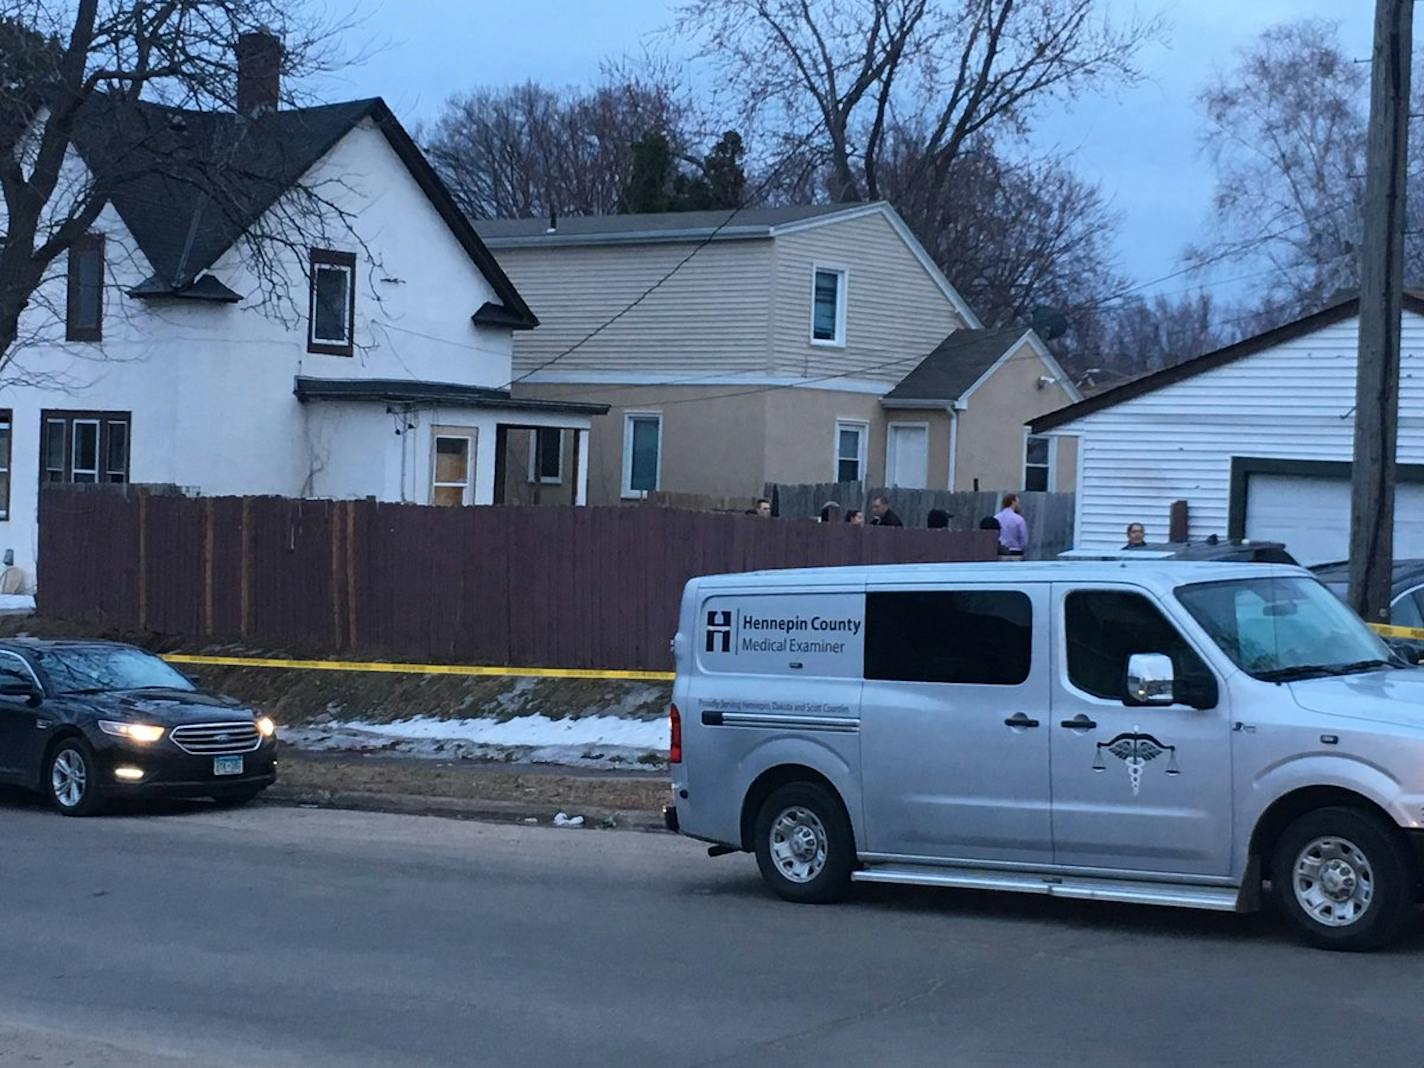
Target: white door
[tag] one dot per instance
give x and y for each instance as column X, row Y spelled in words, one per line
column 1311, row 515
column 907, row 456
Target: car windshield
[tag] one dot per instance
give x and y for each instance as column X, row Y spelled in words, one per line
column 1284, row 628
column 98, row 668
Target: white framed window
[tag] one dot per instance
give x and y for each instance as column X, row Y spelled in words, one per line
column 4, row 464
column 546, row 455
column 333, row 303
column 452, row 466
column 1038, row 462
column 828, row 305
column 642, row 453
column 851, row 438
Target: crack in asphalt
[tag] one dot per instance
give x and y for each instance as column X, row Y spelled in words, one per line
column 932, row 988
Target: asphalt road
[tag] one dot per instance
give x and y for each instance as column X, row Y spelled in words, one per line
column 288, row 936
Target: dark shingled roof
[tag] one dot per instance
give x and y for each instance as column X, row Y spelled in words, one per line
column 188, row 184
column 749, row 222
column 956, row 364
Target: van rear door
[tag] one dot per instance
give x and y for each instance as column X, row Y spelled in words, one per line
column 954, row 722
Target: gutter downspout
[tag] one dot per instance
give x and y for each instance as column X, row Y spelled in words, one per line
column 954, row 410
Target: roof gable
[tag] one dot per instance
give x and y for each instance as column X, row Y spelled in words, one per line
column 188, row 184
column 1137, row 387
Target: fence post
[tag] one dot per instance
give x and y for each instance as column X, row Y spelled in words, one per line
column 245, row 563
column 351, row 572
column 208, row 567
column 338, row 575
column 143, row 562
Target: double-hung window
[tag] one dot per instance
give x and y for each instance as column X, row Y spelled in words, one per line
column 1038, row 463
column 546, row 455
column 332, row 323
column 452, row 477
column 642, row 453
column 828, row 306
column 84, row 447
column 850, row 451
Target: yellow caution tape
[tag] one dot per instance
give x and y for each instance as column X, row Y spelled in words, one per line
column 1387, row 630
column 387, row 668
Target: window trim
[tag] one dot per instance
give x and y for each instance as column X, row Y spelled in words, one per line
column 471, row 436
column 627, row 491
column 83, row 245
column 1050, row 475
column 842, row 286
column 862, row 427
column 7, row 461
column 69, row 417
column 534, row 474
column 329, row 258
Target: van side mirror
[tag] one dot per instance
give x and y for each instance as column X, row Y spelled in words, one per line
column 1149, row 680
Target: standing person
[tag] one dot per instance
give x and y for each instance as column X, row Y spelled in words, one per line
column 854, row 518
column 1013, row 531
column 939, row 519
column 831, row 512
column 880, row 513
column 1136, row 536
column 763, row 508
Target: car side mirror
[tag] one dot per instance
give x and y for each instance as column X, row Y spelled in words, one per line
column 1149, row 680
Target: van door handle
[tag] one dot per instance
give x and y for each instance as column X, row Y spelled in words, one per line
column 1018, row 719
column 1080, row 722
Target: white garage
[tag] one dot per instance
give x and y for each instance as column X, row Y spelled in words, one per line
column 1311, row 514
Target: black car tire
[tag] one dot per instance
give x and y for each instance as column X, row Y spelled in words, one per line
column 804, row 844
column 1369, row 853
column 75, row 754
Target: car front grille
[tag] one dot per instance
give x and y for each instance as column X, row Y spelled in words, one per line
column 216, row 739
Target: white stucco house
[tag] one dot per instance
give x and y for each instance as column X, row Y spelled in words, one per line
column 379, row 366
column 1257, row 438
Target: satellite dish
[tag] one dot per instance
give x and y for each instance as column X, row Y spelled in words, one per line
column 1048, row 323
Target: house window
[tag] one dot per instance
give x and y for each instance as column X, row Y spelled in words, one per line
column 84, row 447
column 1038, row 462
column 4, row 464
column 454, row 464
column 333, row 303
column 828, row 306
column 642, row 453
column 850, row 451
column 84, row 307
column 546, row 455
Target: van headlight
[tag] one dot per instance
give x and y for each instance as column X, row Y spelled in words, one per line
column 143, row 733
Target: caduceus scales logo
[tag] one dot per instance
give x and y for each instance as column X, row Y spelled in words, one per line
column 1136, row 750
column 719, row 632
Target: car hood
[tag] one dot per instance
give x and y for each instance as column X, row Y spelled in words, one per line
column 1387, row 696
column 166, row 708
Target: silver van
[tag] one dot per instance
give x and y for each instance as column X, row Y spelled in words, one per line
column 1156, row 732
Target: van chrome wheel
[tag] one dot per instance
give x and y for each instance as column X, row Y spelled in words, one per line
column 798, row 844
column 69, row 777
column 1334, row 881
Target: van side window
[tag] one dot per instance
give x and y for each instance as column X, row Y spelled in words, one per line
column 977, row 637
column 1105, row 627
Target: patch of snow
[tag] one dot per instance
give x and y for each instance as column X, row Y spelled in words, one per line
column 17, row 602
column 563, row 819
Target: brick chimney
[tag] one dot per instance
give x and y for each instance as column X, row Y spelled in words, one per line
column 259, row 72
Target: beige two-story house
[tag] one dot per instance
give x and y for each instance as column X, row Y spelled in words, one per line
column 794, row 344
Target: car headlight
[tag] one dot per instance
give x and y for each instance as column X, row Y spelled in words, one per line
column 134, row 732
column 266, row 727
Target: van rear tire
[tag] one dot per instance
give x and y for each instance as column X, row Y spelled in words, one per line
column 1344, row 880
column 804, row 844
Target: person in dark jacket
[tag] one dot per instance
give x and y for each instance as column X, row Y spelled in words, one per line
column 880, row 513
column 939, row 519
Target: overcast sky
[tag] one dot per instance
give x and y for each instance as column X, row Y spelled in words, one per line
column 1143, row 145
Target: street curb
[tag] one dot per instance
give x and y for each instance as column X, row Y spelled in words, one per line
column 489, row 811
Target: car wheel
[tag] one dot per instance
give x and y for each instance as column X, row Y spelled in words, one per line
column 804, row 844
column 71, row 779
column 1344, row 879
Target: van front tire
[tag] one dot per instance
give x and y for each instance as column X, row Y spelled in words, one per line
column 1344, row 880
column 804, row 845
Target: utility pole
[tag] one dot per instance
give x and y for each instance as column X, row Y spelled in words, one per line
column 1381, row 293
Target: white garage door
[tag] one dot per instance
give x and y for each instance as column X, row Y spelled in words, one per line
column 1312, row 516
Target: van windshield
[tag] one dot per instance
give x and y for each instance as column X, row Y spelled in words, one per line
column 1279, row 629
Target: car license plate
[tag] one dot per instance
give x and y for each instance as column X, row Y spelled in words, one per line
column 227, row 765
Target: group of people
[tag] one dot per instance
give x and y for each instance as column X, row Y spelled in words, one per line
column 881, row 514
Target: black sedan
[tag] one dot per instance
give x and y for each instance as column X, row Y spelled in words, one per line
column 85, row 722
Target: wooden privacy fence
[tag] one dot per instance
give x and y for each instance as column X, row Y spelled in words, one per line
column 507, row 585
column 1049, row 515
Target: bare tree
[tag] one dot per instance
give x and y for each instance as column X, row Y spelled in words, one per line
column 531, row 151
column 81, row 78
column 863, row 71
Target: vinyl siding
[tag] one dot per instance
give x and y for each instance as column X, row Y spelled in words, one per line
column 1294, row 401
column 894, row 309
column 709, row 318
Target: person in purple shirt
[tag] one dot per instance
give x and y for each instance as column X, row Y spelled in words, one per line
column 1013, row 531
